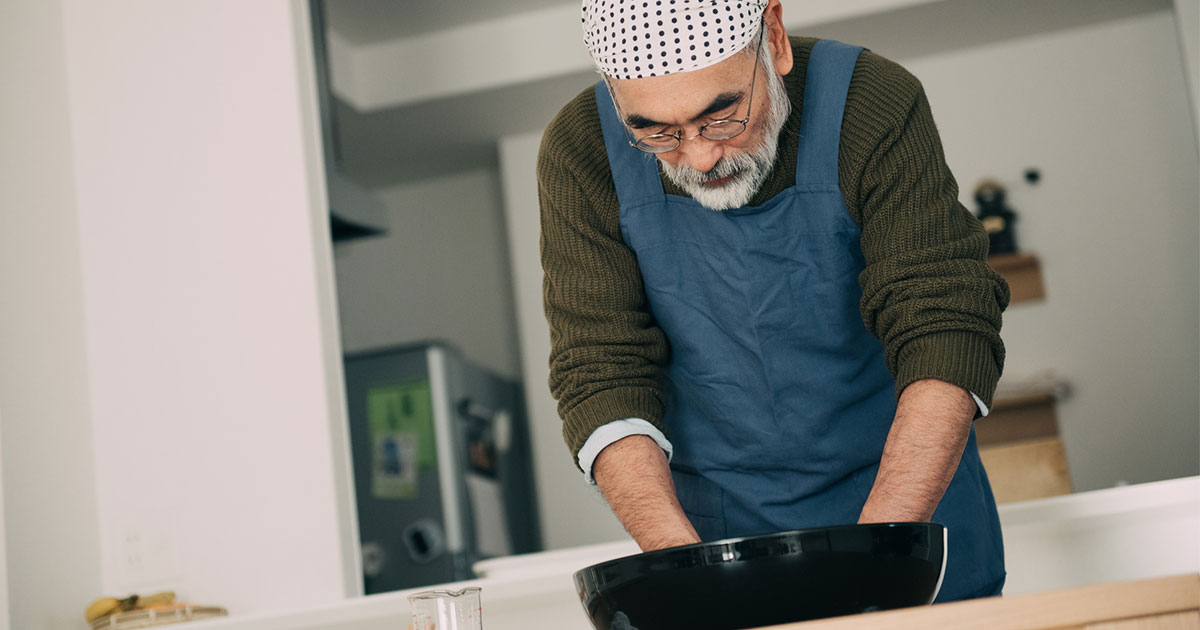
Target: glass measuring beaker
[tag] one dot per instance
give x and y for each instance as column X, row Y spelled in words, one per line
column 447, row 610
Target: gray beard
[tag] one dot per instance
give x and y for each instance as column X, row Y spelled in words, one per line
column 746, row 171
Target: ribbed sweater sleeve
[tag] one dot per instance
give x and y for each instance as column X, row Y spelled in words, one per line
column 607, row 353
column 928, row 294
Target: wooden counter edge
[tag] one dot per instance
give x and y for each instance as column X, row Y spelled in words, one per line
column 1070, row 607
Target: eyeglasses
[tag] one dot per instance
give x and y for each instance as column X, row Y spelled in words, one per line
column 715, row 130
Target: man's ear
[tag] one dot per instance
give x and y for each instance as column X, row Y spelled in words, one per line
column 780, row 46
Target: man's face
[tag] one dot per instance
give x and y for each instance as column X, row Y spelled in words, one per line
column 720, row 174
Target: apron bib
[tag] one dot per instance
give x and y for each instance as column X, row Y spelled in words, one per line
column 779, row 400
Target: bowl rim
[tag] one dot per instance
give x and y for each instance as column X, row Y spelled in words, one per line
column 791, row 533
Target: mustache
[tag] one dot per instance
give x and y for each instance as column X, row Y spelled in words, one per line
column 724, row 167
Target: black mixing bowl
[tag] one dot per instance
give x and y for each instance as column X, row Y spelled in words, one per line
column 767, row 580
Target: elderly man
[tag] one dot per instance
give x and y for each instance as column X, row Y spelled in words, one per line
column 768, row 309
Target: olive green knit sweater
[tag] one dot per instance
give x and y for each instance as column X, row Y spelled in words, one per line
column 928, row 294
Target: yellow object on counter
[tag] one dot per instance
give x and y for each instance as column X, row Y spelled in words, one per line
column 159, row 615
column 102, row 608
column 106, row 606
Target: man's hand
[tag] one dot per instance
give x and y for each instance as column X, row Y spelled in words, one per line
column 924, row 446
column 633, row 475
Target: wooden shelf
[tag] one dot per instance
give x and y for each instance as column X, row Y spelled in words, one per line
column 1153, row 604
column 1018, row 417
column 1020, row 445
column 1027, row 470
column 1023, row 272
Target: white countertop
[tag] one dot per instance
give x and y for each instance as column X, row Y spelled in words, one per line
column 1127, row 533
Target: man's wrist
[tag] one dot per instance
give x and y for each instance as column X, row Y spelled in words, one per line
column 635, row 479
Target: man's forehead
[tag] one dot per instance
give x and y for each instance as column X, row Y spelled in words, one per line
column 680, row 98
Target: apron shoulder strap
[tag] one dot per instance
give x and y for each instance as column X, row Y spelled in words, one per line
column 826, row 83
column 635, row 173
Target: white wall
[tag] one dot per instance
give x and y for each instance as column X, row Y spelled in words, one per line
column 440, row 272
column 571, row 512
column 206, row 349
column 1187, row 16
column 1114, row 222
column 1103, row 112
column 170, row 379
column 3, row 556
column 50, row 512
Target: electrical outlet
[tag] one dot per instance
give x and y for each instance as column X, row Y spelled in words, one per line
column 132, row 552
column 147, row 559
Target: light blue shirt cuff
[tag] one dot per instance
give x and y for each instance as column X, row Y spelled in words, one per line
column 612, row 432
column 983, row 409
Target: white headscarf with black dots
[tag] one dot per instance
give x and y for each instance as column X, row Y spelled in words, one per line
column 631, row 39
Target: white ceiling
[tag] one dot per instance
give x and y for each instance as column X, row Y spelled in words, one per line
column 403, row 144
column 368, row 21
column 397, row 145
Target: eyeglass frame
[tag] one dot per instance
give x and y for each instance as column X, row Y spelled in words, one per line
column 678, row 135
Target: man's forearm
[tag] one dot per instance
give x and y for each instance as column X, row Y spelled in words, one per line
column 923, row 449
column 633, row 475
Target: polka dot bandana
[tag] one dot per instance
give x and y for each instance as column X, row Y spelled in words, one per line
column 631, row 39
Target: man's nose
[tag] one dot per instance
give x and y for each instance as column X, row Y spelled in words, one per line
column 701, row 153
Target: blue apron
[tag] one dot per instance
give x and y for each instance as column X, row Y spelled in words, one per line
column 779, row 398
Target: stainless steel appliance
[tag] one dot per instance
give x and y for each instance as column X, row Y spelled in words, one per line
column 442, row 465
